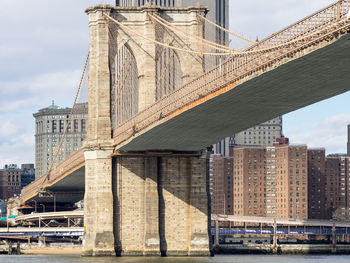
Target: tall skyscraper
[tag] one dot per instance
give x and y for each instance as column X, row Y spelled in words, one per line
column 50, row 126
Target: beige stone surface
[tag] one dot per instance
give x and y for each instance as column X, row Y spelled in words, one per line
column 139, row 205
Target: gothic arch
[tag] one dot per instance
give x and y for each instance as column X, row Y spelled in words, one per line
column 168, row 73
column 125, row 87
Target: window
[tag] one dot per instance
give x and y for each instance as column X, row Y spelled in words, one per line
column 83, row 125
column 54, row 126
column 75, row 125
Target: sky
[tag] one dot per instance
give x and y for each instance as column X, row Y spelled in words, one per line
column 43, row 46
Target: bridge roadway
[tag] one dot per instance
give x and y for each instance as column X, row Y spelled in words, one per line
column 68, row 216
column 41, row 231
column 66, row 180
column 306, row 227
column 284, row 226
column 280, row 221
column 248, row 90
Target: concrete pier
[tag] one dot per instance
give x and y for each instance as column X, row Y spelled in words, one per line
column 160, row 206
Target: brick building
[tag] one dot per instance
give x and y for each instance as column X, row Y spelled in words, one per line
column 329, row 184
column 316, row 183
column 281, row 181
column 10, row 181
column 270, row 181
column 337, row 184
column 221, row 184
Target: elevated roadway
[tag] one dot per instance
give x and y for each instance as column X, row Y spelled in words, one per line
column 66, row 182
column 302, row 64
column 280, row 221
column 41, row 231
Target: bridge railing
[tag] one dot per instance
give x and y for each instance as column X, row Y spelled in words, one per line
column 75, row 160
column 232, row 70
column 324, row 17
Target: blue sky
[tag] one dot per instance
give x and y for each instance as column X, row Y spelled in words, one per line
column 44, row 44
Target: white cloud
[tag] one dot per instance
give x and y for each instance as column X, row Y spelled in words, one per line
column 330, row 133
column 7, row 129
column 37, row 92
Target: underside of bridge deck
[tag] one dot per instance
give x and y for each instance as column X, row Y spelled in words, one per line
column 311, row 78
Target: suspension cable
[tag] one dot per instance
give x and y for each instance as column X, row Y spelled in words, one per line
column 57, row 152
column 227, row 31
column 168, row 46
column 183, row 33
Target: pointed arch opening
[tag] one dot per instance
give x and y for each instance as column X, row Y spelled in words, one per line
column 168, row 73
column 125, row 89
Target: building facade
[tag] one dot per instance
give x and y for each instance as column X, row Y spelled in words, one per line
column 270, row 181
column 337, row 184
column 348, row 148
column 50, row 124
column 221, row 184
column 10, row 181
column 262, row 135
column 316, row 183
column 329, row 184
column 28, row 174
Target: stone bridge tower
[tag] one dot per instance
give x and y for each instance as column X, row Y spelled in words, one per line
column 141, row 203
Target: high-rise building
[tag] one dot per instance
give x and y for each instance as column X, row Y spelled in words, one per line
column 348, row 152
column 262, row 135
column 337, row 184
column 329, row 184
column 316, row 183
column 10, row 181
column 28, row 174
column 50, row 126
column 221, row 184
column 270, row 181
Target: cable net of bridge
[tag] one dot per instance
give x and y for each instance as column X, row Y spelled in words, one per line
column 66, row 155
column 320, row 26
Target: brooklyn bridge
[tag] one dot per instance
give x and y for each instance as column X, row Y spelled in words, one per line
column 159, row 94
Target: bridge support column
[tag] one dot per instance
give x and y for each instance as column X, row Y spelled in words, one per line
column 135, row 206
column 160, row 206
column 98, row 204
column 185, row 206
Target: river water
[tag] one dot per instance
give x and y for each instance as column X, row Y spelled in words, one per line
column 216, row 259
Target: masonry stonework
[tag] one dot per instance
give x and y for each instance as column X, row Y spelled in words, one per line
column 160, row 206
column 139, row 203
column 99, row 239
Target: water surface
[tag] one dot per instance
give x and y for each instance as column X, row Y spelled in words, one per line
column 216, row 259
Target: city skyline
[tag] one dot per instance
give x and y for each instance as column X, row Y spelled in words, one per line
column 45, row 63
